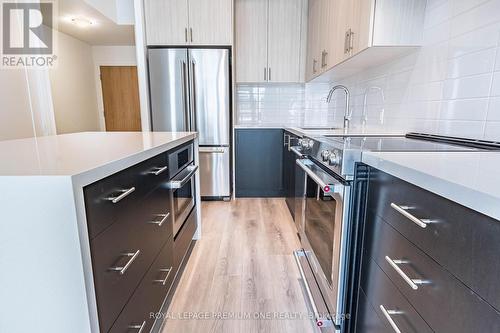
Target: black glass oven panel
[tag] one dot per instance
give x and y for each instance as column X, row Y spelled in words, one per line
column 320, row 212
column 183, row 198
column 182, row 158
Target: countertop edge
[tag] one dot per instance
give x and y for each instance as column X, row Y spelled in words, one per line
column 463, row 195
column 92, row 175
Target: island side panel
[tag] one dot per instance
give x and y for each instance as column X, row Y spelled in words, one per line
column 42, row 284
column 197, row 234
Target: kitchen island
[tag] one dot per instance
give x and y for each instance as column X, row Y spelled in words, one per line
column 63, row 214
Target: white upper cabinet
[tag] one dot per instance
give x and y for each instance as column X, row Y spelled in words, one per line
column 313, row 46
column 250, row 41
column 166, row 22
column 189, row 22
column 269, row 40
column 211, row 22
column 376, row 29
column 284, row 44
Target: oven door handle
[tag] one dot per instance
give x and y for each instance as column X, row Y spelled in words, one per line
column 175, row 184
column 327, row 188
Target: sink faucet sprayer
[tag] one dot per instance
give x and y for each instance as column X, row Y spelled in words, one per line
column 347, row 98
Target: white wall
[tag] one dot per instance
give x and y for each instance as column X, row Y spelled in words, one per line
column 73, row 87
column 15, row 114
column 109, row 56
column 450, row 86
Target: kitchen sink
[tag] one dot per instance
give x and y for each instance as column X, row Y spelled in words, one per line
column 319, row 128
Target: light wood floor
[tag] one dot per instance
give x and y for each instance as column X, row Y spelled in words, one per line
column 242, row 266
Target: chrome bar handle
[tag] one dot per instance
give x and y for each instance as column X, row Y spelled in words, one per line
column 159, row 170
column 184, row 93
column 123, row 269
column 175, row 184
column 211, row 150
column 191, row 33
column 138, row 327
column 265, row 74
column 164, row 281
column 193, row 100
column 388, row 314
column 286, row 143
column 124, row 194
column 310, row 173
column 351, row 41
column 164, row 217
column 186, row 34
column 403, row 210
column 269, row 70
column 413, row 283
column 346, row 41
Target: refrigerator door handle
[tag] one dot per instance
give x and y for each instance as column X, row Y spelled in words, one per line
column 212, row 150
column 193, row 96
column 184, row 95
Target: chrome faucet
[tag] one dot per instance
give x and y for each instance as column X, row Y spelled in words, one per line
column 347, row 98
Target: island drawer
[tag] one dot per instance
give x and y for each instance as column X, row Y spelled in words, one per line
column 367, row 320
column 148, row 298
column 183, row 238
column 110, row 199
column 431, row 289
column 389, row 304
column 121, row 256
column 461, row 240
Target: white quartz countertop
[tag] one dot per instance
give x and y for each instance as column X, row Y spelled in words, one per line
column 468, row 178
column 353, row 131
column 76, row 154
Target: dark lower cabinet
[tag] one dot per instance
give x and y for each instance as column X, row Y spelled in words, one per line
column 148, row 297
column 426, row 264
column 368, row 322
column 259, row 163
column 135, row 257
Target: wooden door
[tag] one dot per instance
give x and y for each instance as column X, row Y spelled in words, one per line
column 251, row 40
column 284, row 40
column 211, row 22
column 120, row 94
column 166, row 22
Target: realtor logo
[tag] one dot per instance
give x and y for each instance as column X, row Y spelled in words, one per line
column 27, row 34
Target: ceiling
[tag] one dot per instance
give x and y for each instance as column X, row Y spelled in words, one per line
column 103, row 32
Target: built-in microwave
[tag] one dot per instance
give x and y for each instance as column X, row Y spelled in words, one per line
column 182, row 185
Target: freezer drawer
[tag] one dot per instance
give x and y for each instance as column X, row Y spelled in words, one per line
column 214, row 171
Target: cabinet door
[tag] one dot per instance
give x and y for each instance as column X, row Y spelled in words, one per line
column 361, row 24
column 342, row 10
column 166, row 22
column 210, row 22
column 328, row 39
column 284, row 40
column 259, row 163
column 251, row 40
column 313, row 48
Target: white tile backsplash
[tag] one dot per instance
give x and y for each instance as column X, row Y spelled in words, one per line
column 450, row 86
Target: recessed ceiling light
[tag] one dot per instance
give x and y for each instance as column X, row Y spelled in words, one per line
column 81, row 22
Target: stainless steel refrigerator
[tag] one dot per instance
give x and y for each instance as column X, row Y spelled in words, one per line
column 190, row 91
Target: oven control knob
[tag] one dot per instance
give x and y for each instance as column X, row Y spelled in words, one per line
column 309, row 143
column 325, row 154
column 306, row 143
column 334, row 158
